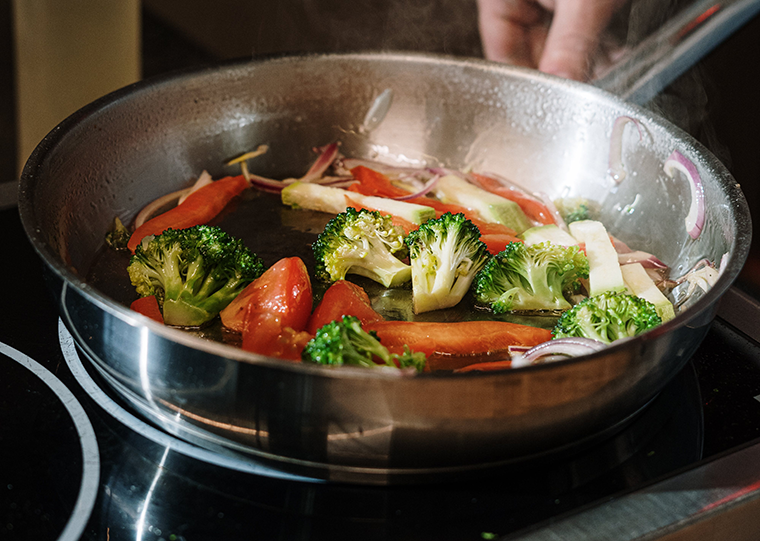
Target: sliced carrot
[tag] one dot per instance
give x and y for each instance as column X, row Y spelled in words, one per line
column 373, row 182
column 450, row 346
column 148, row 306
column 343, row 298
column 199, row 208
column 533, row 208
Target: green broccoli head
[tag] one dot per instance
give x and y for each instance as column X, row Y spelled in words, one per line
column 362, row 242
column 196, row 272
column 344, row 341
column 531, row 278
column 445, row 254
column 118, row 235
column 574, row 209
column 608, row 317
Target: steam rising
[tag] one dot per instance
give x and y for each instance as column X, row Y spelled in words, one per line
column 450, row 27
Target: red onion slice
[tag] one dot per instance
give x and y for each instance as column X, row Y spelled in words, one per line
column 151, row 208
column 616, row 167
column 340, row 181
column 180, row 195
column 429, row 185
column 647, row 260
column 384, row 168
column 517, row 350
column 268, row 184
column 203, row 180
column 318, row 168
column 695, row 219
column 561, row 347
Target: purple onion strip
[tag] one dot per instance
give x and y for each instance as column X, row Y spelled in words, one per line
column 569, row 347
column 695, row 219
column 429, row 185
column 318, row 168
column 647, row 260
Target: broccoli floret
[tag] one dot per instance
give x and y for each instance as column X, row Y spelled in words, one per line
column 608, row 317
column 344, row 341
column 195, row 271
column 531, row 278
column 445, row 254
column 579, row 213
column 118, row 236
column 574, row 209
column 362, row 242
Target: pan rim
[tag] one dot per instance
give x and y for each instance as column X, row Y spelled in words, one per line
column 739, row 247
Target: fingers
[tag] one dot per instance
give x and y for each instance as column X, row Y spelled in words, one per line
column 512, row 31
column 574, row 37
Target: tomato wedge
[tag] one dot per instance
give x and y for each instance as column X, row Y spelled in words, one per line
column 343, row 298
column 199, row 208
column 148, row 306
column 273, row 310
column 450, row 346
column 266, row 335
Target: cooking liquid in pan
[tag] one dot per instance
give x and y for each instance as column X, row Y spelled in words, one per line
column 273, row 231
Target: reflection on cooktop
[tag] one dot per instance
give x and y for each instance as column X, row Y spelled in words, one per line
column 156, row 478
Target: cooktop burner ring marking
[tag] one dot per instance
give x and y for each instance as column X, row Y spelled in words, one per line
column 88, row 488
column 71, row 356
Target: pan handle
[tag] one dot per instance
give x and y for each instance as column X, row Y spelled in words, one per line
column 655, row 62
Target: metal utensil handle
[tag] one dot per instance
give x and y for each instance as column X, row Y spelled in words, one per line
column 675, row 47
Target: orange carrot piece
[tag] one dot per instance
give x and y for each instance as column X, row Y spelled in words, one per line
column 198, row 208
column 449, row 346
column 373, row 182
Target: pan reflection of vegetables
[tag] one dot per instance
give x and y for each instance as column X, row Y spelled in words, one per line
column 534, row 263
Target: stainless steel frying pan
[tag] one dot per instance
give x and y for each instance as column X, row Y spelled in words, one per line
column 549, row 135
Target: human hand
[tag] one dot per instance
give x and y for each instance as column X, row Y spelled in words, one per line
column 559, row 37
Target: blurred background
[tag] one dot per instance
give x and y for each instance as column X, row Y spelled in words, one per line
column 56, row 56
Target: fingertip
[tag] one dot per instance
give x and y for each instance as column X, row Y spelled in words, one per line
column 567, row 66
column 574, row 37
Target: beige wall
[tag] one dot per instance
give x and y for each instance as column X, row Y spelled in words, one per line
column 67, row 54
